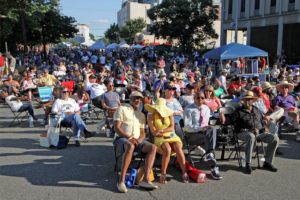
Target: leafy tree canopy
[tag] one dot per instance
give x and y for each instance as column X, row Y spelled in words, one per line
column 131, row 28
column 188, row 21
column 113, row 33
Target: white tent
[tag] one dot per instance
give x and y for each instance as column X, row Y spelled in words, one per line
column 137, row 46
column 97, row 45
column 112, row 46
column 88, row 43
column 125, row 46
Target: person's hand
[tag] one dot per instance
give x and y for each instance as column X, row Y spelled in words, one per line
column 158, row 133
column 133, row 141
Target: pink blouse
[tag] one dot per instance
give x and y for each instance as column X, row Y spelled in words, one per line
column 213, row 104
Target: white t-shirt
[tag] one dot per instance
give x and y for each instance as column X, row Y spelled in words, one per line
column 96, row 89
column 102, row 60
column 15, row 105
column 94, row 59
column 63, row 106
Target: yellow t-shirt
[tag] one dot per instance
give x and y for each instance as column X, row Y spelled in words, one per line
column 49, row 80
column 132, row 120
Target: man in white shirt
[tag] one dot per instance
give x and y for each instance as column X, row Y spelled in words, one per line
column 196, row 119
column 16, row 104
column 96, row 89
column 70, row 111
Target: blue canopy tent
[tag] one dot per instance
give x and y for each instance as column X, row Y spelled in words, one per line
column 234, row 50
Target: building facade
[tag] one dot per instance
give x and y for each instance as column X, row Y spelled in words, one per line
column 133, row 10
column 272, row 25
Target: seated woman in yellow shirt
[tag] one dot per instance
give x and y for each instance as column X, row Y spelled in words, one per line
column 161, row 124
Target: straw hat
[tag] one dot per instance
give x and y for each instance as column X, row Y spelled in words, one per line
column 266, row 85
column 159, row 106
column 248, row 95
column 284, row 83
column 162, row 74
column 180, row 76
column 136, row 94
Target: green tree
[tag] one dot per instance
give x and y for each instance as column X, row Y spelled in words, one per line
column 131, row 28
column 92, row 37
column 113, row 33
column 34, row 22
column 188, row 21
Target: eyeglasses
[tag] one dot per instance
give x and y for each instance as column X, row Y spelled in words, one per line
column 208, row 91
column 201, row 97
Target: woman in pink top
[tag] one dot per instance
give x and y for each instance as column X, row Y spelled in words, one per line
column 213, row 103
column 210, row 100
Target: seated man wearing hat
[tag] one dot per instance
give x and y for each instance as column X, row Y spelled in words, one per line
column 129, row 125
column 250, row 127
column 288, row 103
column 196, row 118
column 188, row 98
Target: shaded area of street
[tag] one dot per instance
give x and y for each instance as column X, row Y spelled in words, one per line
column 28, row 171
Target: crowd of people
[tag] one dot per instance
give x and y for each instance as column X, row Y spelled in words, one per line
column 159, row 93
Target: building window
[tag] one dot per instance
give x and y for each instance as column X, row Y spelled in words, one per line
column 273, row 3
column 257, row 5
column 230, row 7
column 291, row 1
column 243, row 2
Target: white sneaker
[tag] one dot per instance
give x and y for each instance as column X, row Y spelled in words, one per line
column 199, row 151
column 298, row 136
column 122, row 187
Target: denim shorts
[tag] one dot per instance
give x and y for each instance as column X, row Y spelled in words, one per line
column 120, row 142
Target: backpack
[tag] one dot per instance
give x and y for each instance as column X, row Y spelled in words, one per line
column 62, row 142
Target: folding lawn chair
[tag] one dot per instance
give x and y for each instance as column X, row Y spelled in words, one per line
column 45, row 93
column 18, row 116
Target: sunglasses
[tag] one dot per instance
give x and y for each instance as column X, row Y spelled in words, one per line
column 200, row 97
column 65, row 91
column 208, row 91
column 136, row 98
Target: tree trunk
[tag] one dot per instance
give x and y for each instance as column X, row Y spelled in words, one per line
column 23, row 25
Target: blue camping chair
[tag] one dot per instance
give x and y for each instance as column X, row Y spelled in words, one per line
column 45, row 93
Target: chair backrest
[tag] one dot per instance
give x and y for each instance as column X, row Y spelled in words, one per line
column 233, row 105
column 45, row 93
column 227, row 110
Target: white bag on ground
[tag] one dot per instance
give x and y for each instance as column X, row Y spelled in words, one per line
column 53, row 130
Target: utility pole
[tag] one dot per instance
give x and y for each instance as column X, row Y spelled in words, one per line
column 236, row 21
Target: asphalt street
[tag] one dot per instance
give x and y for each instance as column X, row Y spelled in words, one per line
column 31, row 172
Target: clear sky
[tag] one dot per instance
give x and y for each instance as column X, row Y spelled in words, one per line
column 97, row 14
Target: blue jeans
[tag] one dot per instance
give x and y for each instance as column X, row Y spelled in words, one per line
column 77, row 124
column 27, row 107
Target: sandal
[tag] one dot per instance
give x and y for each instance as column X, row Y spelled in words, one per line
column 163, row 179
column 185, row 178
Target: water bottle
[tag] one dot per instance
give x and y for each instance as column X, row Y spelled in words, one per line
column 30, row 121
column 130, row 179
column 107, row 132
column 243, row 161
column 123, row 96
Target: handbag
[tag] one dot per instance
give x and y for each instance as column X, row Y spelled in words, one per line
column 54, row 130
column 140, row 175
